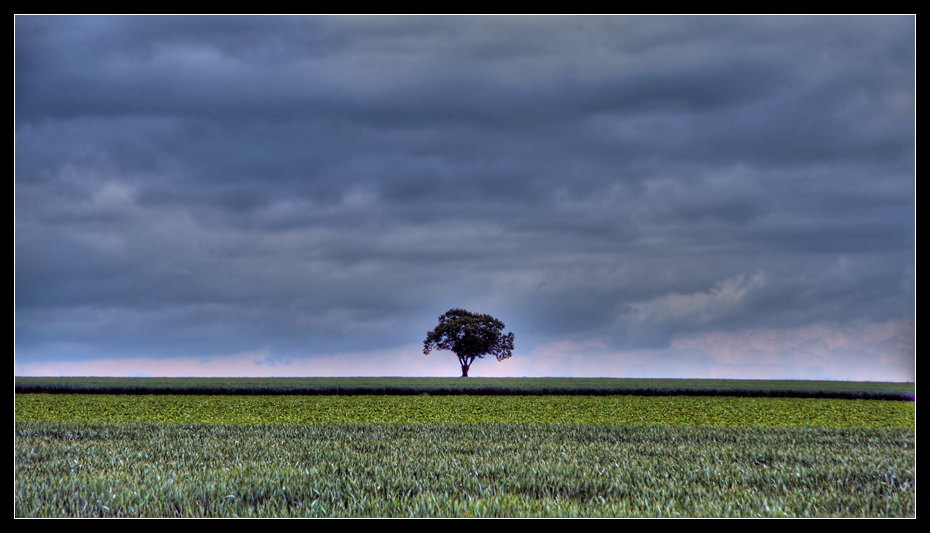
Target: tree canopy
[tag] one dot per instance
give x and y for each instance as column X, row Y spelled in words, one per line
column 469, row 336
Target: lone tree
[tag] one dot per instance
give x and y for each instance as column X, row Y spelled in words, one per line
column 469, row 335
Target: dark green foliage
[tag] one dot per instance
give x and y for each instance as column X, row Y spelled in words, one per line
column 476, row 386
column 469, row 336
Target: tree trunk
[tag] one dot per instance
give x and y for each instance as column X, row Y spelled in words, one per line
column 466, row 362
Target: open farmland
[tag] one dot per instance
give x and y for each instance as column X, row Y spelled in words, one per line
column 596, row 410
column 475, row 385
column 170, row 455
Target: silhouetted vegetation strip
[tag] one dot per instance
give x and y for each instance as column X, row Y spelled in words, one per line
column 449, row 470
column 231, row 390
column 428, row 384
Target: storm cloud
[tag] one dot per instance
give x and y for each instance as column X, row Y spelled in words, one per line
column 304, row 188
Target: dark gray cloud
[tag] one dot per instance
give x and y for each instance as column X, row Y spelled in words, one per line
column 307, row 185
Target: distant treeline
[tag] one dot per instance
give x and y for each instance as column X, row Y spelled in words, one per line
column 470, row 386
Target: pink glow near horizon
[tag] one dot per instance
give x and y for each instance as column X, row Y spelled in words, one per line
column 863, row 352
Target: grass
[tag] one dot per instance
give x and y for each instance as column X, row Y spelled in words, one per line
column 153, row 470
column 600, row 410
column 327, row 456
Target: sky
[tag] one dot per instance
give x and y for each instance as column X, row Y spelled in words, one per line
column 674, row 197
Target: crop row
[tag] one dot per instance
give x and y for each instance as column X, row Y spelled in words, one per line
column 459, row 470
column 475, row 386
column 604, row 410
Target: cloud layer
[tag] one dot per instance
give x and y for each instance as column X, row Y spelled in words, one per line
column 309, row 186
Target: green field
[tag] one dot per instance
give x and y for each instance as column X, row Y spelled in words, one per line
column 394, row 385
column 459, row 470
column 190, row 455
column 596, row 410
